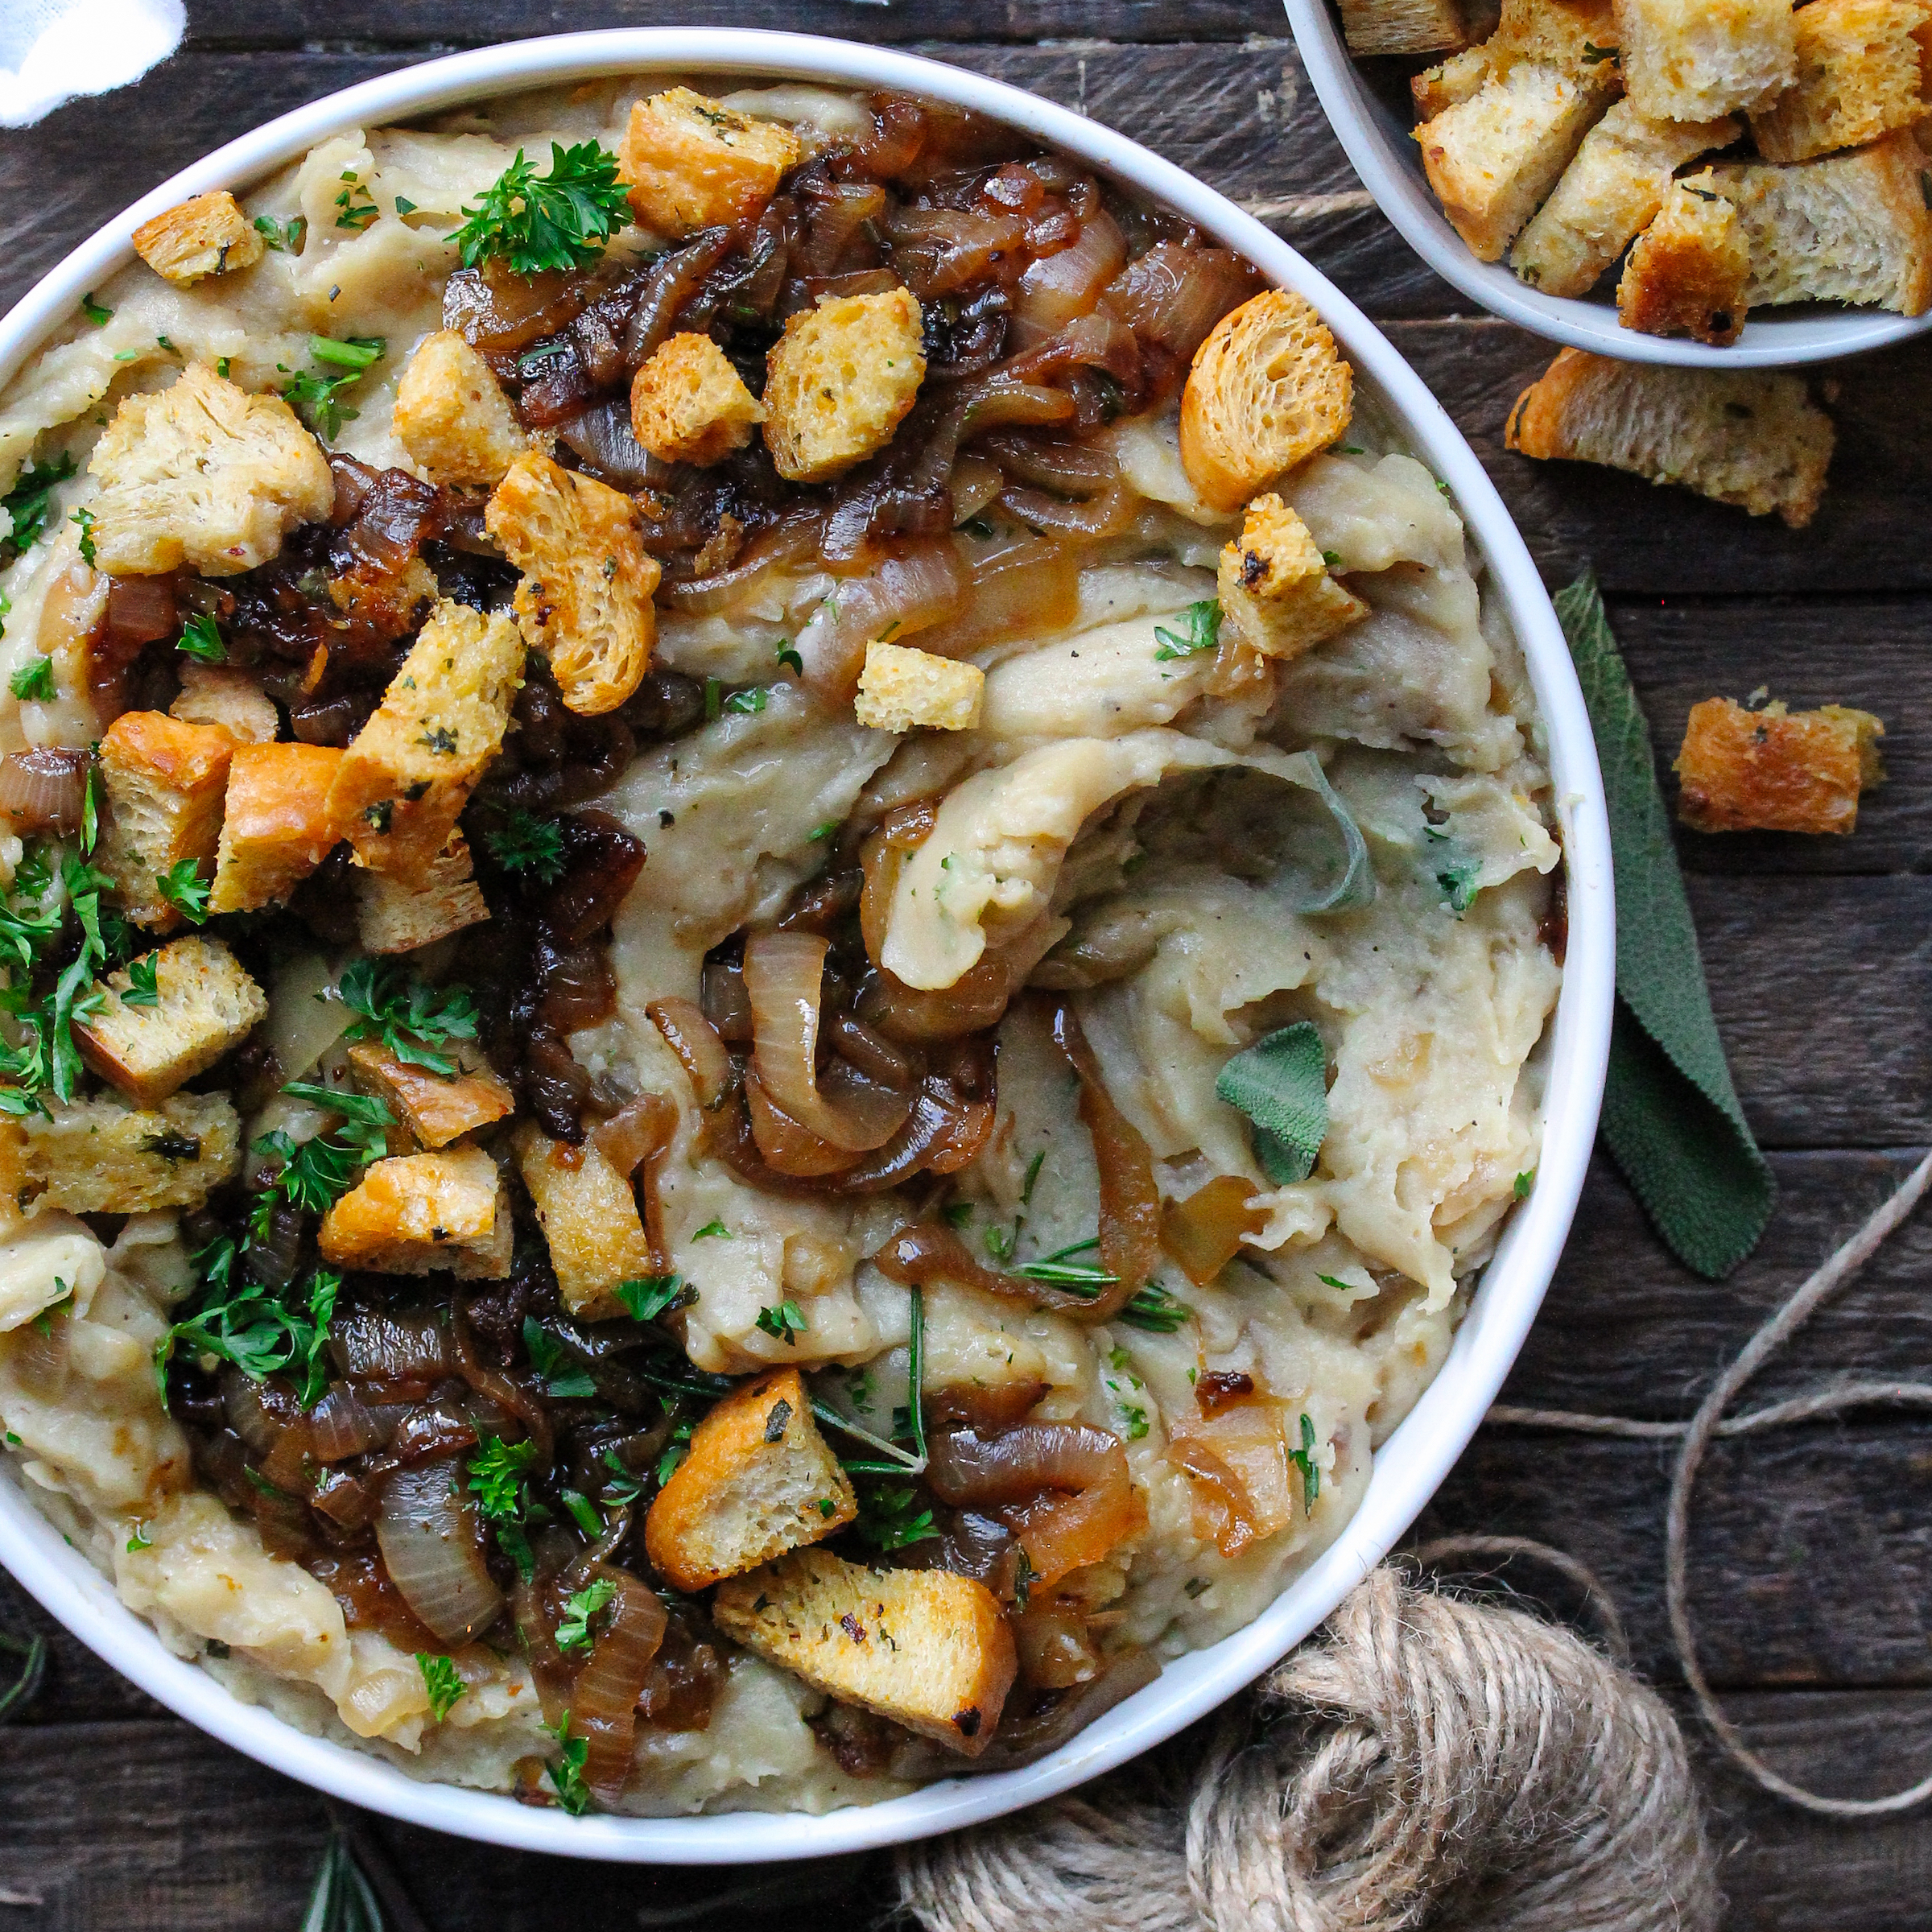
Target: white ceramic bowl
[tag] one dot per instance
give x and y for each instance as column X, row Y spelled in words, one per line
column 1414, row 1460
column 1379, row 140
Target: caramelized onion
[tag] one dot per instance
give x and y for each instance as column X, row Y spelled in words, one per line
column 1104, row 515
column 792, row 540
column 44, row 789
column 140, row 610
column 638, row 1130
column 602, row 436
column 673, row 280
column 500, row 312
column 924, row 1252
column 1205, row 1232
column 1018, row 583
column 922, row 584
column 940, row 250
column 1220, row 1496
column 1173, row 295
column 604, row 1698
column 700, row 1052
column 1130, row 1202
column 1055, row 1650
column 342, row 1425
column 1005, row 400
column 432, row 1546
column 790, row 1148
column 1054, row 290
column 496, row 1386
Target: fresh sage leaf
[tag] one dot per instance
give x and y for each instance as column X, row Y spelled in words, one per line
column 1281, row 1083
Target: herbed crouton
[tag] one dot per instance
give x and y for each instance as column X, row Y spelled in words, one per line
column 453, row 416
column 1864, row 68
column 164, row 780
column 1276, row 594
column 208, row 236
column 205, row 1003
column 203, row 473
column 410, row 771
column 278, row 825
column 222, row 696
column 691, row 162
column 1846, row 228
column 391, row 917
column 903, row 689
column 1492, row 158
column 1748, row 438
column 689, row 405
column 1775, row 769
column 1688, row 270
column 584, row 600
column 840, row 380
column 416, row 1213
column 1696, row 59
column 1267, row 390
column 103, row 1157
column 588, row 1213
column 1578, row 37
column 435, row 1108
column 1450, row 81
column 1402, row 27
column 759, row 1480
column 925, row 1648
column 1614, row 187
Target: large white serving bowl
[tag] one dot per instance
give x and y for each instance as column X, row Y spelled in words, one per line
column 1416, row 1457
column 1380, row 142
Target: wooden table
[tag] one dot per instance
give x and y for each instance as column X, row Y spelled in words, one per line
column 1811, row 1593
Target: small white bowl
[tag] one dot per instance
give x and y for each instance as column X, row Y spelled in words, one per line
column 1380, row 144
column 1416, row 1457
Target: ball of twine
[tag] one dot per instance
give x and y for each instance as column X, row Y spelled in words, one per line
column 1431, row 1761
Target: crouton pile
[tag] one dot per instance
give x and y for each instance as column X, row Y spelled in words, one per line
column 1730, row 156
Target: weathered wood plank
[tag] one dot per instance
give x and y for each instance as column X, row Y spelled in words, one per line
column 78, row 1687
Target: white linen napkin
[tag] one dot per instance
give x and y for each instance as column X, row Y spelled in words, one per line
column 52, row 49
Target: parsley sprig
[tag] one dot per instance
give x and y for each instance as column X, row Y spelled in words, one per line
column 317, row 396
column 889, row 1517
column 409, row 1016
column 46, row 1058
column 525, row 842
column 262, row 1331
column 316, row 1172
column 566, row 1775
column 442, row 1681
column 560, row 220
column 499, row 1479
column 1203, row 633
column 580, row 1610
column 28, row 502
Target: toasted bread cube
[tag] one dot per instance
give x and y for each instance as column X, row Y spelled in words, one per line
column 207, row 1004
column 588, row 1213
column 104, row 1157
column 1458, row 79
column 1696, row 60
column 1688, row 270
column 1775, row 769
column 1607, row 194
column 1267, row 390
column 1864, row 68
column 1492, row 158
column 840, row 380
column 1846, row 228
column 391, row 917
column 204, row 474
column 417, row 1213
column 164, row 780
column 435, row 1108
column 760, row 1480
column 689, row 405
column 1276, row 594
column 208, row 236
column 584, row 600
column 278, row 825
column 453, row 416
column 1748, row 438
column 692, row 162
column 408, row 773
column 928, row 1649
column 1403, row 26
column 222, row 696
column 903, row 689
column 1578, row 37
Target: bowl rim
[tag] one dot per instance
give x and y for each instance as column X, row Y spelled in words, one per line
column 1417, row 1455
column 1393, row 176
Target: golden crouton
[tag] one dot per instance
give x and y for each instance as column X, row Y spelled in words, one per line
column 839, row 382
column 1449, row 82
column 1696, row 60
column 760, row 1480
column 406, row 777
column 691, row 162
column 278, row 825
column 1276, row 594
column 584, row 600
column 925, row 1648
column 1578, row 37
column 206, row 235
column 163, row 780
column 453, row 416
column 903, row 689
column 1402, row 27
column 1267, row 388
column 1864, row 68
column 104, row 1157
column 415, row 1213
column 1687, row 273
column 204, row 474
column 391, row 917
column 689, row 405
column 435, row 1108
column 221, row 694
column 206, row 1003
column 588, row 1213
column 1747, row 437
column 1775, row 769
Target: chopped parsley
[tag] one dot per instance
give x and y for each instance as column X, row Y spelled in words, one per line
column 94, row 311
column 185, row 890
column 46, row 1057
column 34, row 680
column 140, row 1539
column 355, row 206
column 441, row 1681
column 317, row 397
column 82, row 520
column 566, row 1775
column 714, row 699
column 565, row 1379
column 499, row 1481
column 711, row 1228
column 314, row 1173
column 889, row 1517
column 789, row 657
column 560, row 220
column 28, row 502
column 283, row 237
column 1524, row 1183
column 583, row 1512
column 574, row 1633
column 525, row 842
column 784, row 1323
column 1460, row 885
column 261, row 1331
column 1137, row 1422
column 44, row 1320
column 404, row 206
column 143, row 989
column 747, row 703
column 201, row 640
column 409, row 1017
column 654, row 1295
column 1203, row 633
column 1304, row 1460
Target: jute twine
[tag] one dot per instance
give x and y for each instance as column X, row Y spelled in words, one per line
column 1427, row 1760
